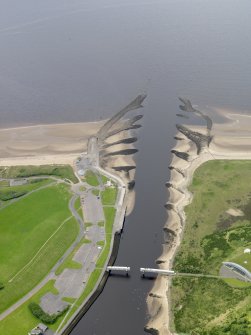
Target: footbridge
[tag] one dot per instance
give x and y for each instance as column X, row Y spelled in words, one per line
column 125, row 269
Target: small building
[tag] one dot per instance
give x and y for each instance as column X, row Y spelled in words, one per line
column 81, row 172
column 247, row 251
column 108, row 183
column 39, row 330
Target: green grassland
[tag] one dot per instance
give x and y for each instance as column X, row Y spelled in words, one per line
column 203, row 306
column 109, row 196
column 32, row 238
column 61, row 171
column 77, row 204
column 91, row 178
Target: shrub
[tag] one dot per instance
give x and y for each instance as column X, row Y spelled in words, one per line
column 39, row 313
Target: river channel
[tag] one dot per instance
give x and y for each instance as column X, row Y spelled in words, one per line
column 71, row 61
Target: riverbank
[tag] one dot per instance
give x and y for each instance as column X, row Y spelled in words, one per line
column 231, row 140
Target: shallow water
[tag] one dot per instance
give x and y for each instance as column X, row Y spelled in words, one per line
column 69, row 61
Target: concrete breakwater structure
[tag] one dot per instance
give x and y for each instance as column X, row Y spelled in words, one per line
column 195, row 145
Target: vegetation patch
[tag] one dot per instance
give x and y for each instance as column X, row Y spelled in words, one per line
column 12, row 192
column 91, row 178
column 211, row 236
column 39, row 313
column 95, row 192
column 69, row 300
column 77, row 204
column 88, row 224
column 61, row 171
column 109, row 196
column 69, row 263
column 21, row 321
column 110, row 213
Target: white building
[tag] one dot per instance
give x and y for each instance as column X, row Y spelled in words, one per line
column 39, row 330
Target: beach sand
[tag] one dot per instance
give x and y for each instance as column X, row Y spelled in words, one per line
column 231, row 140
column 45, row 144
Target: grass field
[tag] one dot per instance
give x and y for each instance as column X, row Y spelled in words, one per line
column 32, row 238
column 62, row 171
column 91, row 178
column 212, row 236
column 109, row 196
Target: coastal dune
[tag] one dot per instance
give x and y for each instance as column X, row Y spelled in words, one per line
column 230, row 140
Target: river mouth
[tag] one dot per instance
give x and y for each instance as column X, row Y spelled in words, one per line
column 72, row 62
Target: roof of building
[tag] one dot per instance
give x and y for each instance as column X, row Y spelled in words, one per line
column 39, row 330
column 238, row 268
column 36, row 331
column 42, row 327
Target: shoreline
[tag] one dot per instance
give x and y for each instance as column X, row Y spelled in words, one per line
column 223, row 146
column 38, row 141
column 50, row 125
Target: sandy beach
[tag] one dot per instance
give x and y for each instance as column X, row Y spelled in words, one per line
column 231, row 140
column 45, row 144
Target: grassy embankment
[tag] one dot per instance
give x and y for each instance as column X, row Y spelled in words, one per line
column 61, row 171
column 32, row 238
column 203, row 306
column 8, row 193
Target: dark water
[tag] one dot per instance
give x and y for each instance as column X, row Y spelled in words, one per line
column 78, row 60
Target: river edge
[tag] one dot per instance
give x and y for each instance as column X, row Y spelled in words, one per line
column 28, row 152
column 117, row 230
column 231, row 141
